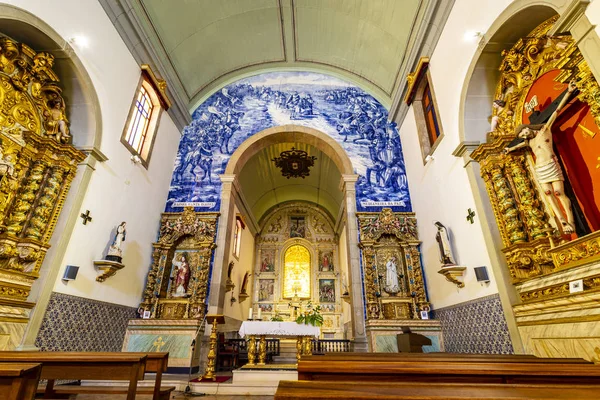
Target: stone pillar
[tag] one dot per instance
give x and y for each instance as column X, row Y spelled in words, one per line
column 356, row 286
column 219, row 273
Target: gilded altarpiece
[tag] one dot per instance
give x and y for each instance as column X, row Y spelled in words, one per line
column 174, row 300
column 393, row 279
column 37, row 165
column 542, row 257
column 305, row 233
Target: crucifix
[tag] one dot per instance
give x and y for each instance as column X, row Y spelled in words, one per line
column 159, row 343
column 471, row 215
column 86, row 217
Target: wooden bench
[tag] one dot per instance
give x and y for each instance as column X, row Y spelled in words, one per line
column 317, row 368
column 155, row 362
column 442, row 357
column 296, row 390
column 83, row 366
column 19, row 381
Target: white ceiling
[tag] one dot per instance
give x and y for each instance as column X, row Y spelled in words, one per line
column 263, row 186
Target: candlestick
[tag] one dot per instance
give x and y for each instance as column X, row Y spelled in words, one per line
column 259, row 311
column 250, row 313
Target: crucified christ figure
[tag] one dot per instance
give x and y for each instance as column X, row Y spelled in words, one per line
column 547, row 169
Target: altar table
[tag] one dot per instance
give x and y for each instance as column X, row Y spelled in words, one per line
column 252, row 329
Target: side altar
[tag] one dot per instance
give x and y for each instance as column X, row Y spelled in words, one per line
column 172, row 312
column 393, row 280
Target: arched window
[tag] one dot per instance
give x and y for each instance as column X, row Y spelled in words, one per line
column 420, row 94
column 296, row 272
column 142, row 123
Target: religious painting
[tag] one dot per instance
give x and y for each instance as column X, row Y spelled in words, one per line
column 267, row 262
column 327, row 308
column 576, row 143
column 266, row 289
column 325, row 261
column 183, row 263
column 326, row 291
column 266, row 307
column 296, row 272
column 297, row 227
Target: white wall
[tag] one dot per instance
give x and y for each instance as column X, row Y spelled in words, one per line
column 440, row 190
column 118, row 190
column 239, row 310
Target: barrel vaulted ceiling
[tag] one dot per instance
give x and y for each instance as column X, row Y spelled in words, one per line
column 264, row 187
column 209, row 43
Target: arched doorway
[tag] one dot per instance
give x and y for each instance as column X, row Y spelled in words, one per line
column 254, row 189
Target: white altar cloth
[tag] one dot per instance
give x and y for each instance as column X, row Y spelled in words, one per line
column 275, row 329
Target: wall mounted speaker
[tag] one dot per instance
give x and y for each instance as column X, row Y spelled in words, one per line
column 70, row 273
column 482, row 274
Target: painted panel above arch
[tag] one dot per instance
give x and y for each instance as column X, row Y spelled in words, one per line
column 356, row 120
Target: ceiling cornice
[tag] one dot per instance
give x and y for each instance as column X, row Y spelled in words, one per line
column 133, row 29
column 432, row 15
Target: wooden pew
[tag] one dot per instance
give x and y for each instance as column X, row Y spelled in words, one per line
column 396, row 369
column 297, row 390
column 442, row 357
column 83, row 366
column 19, row 381
column 155, row 362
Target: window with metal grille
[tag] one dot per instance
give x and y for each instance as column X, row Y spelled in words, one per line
column 138, row 136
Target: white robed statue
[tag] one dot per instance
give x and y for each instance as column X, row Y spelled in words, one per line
column 391, row 276
column 443, row 239
column 115, row 252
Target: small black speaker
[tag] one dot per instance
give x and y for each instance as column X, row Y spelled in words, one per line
column 70, row 273
column 481, row 274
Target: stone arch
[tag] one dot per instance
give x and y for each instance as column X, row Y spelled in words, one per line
column 475, row 107
column 287, row 133
column 482, row 76
column 83, row 105
column 84, row 113
column 330, row 147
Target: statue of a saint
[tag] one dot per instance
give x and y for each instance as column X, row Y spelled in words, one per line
column 547, row 169
column 56, row 121
column 182, row 275
column 443, row 239
column 115, row 252
column 391, row 276
column 120, row 236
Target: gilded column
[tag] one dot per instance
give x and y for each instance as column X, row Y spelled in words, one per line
column 25, row 199
column 416, row 282
column 535, row 218
column 506, row 209
column 43, row 210
column 372, row 293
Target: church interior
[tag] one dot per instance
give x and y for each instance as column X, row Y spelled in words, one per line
column 294, row 199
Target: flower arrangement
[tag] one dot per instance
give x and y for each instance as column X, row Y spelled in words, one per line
column 312, row 316
column 277, row 317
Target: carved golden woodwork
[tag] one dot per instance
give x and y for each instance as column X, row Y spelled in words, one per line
column 523, row 219
column 382, row 236
column 36, row 168
column 193, row 232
